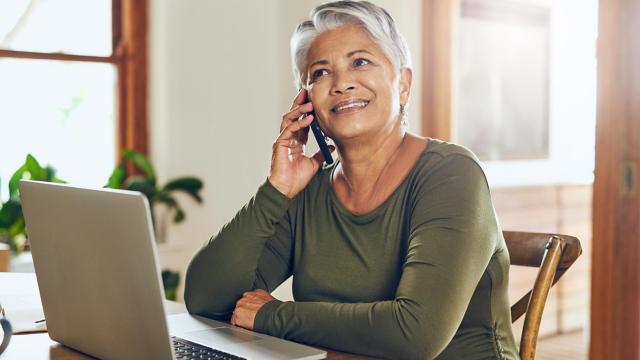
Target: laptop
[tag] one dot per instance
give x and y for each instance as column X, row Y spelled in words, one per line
column 95, row 259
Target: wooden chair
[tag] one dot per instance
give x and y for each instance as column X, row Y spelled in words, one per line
column 553, row 254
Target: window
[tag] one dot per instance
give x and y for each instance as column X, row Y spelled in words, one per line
column 525, row 87
column 73, row 85
column 503, row 76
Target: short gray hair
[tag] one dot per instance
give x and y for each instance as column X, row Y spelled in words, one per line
column 376, row 21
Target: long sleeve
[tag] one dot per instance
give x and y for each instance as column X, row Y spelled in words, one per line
column 451, row 240
column 252, row 251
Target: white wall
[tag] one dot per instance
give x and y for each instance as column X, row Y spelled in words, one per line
column 220, row 80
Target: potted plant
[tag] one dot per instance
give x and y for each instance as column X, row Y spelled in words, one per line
column 13, row 237
column 161, row 200
column 12, row 227
column 145, row 182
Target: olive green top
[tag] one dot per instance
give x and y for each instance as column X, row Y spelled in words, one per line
column 422, row 276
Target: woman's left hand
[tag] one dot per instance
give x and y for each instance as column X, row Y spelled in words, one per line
column 247, row 307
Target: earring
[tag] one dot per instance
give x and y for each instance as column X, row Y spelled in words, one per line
column 403, row 114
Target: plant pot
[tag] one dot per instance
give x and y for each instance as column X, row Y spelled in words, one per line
column 5, row 255
column 161, row 217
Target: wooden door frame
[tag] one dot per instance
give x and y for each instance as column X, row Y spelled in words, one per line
column 437, row 67
column 615, row 288
column 615, row 285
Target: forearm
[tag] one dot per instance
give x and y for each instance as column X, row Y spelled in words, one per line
column 226, row 266
column 396, row 329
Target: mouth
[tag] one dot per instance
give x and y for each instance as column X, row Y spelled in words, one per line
column 349, row 106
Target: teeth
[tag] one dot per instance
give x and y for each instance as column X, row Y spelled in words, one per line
column 350, row 105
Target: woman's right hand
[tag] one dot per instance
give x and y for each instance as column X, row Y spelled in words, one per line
column 291, row 169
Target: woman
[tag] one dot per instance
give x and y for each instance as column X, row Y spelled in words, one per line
column 394, row 249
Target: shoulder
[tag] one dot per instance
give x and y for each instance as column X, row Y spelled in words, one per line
column 450, row 188
column 450, row 151
column 442, row 160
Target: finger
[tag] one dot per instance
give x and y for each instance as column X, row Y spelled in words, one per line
column 300, row 98
column 290, row 130
column 259, row 291
column 304, row 135
column 248, row 293
column 295, row 113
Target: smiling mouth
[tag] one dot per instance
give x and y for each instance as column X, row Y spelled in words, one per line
column 349, row 106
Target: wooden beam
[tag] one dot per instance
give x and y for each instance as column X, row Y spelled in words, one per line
column 615, row 290
column 56, row 56
column 132, row 50
column 437, row 58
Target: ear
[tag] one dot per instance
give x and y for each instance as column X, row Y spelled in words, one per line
column 406, row 76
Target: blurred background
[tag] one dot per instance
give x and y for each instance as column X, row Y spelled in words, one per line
column 200, row 86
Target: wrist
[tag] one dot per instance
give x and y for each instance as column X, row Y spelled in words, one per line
column 284, row 189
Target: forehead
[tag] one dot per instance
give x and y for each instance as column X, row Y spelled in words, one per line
column 340, row 41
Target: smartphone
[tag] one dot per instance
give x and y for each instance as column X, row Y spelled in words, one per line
column 321, row 139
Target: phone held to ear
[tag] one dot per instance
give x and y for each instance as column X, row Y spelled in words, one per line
column 321, row 139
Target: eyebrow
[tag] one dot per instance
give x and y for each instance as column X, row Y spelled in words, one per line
column 349, row 54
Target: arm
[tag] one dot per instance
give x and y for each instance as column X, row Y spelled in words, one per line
column 451, row 242
column 228, row 266
column 252, row 251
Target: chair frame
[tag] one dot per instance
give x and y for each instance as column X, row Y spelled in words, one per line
column 553, row 254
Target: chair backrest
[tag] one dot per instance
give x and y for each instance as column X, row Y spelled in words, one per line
column 553, row 254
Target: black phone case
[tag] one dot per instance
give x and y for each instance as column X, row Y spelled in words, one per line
column 322, row 142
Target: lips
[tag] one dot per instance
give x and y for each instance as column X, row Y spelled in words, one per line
column 350, row 105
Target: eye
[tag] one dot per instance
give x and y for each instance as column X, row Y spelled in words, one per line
column 360, row 62
column 317, row 73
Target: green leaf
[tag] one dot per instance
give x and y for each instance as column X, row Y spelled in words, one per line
column 141, row 163
column 18, row 227
column 141, row 184
column 10, row 212
column 170, row 279
column 166, row 198
column 190, row 185
column 180, row 215
column 172, row 204
column 50, row 173
column 170, row 282
column 37, row 172
column 15, row 178
column 116, row 178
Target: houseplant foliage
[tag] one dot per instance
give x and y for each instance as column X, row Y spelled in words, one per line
column 12, row 226
column 146, row 183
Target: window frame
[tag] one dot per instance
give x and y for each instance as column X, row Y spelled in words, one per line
column 130, row 57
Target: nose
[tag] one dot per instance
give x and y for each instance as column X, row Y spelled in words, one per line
column 343, row 82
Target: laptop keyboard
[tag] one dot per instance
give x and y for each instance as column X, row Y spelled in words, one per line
column 188, row 350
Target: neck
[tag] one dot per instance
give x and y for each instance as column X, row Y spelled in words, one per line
column 363, row 162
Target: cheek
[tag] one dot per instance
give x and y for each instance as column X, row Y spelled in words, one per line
column 320, row 102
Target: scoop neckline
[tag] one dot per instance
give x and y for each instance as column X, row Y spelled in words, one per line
column 370, row 215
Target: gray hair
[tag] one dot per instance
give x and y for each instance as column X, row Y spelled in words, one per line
column 373, row 19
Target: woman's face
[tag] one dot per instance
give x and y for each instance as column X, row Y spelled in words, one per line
column 356, row 91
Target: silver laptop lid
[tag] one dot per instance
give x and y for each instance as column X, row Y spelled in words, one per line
column 97, row 270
